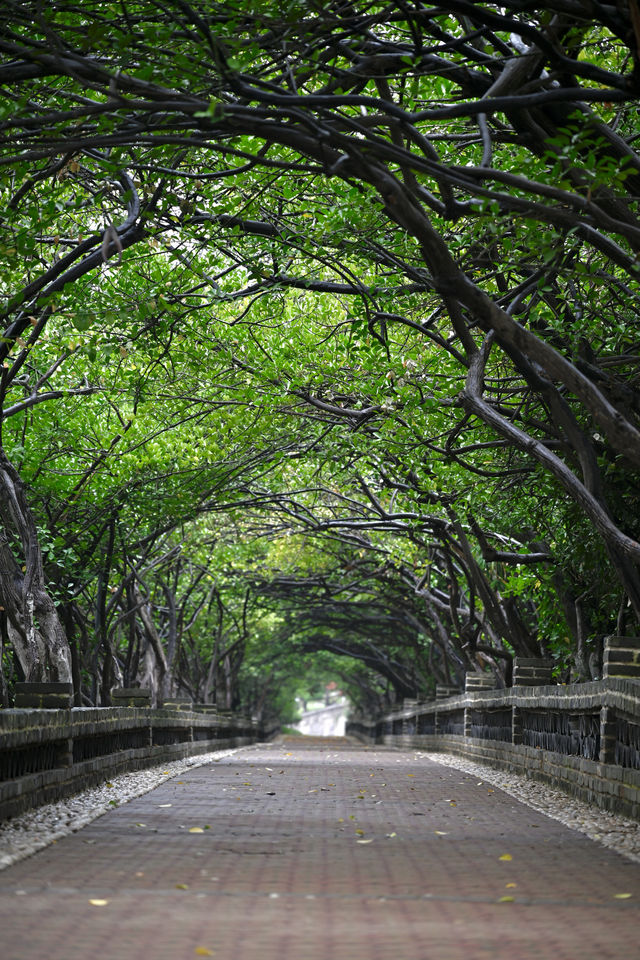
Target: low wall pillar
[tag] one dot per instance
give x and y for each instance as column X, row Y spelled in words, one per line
column 607, row 735
column 178, row 703
column 621, row 657
column 516, row 725
column 408, row 728
column 478, row 681
column 467, row 721
column 44, row 696
column 531, row 672
column 475, row 681
column 443, row 692
column 131, row 696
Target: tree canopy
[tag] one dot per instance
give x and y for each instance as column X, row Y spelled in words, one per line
column 319, row 343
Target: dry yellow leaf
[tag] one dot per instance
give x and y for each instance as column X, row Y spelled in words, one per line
column 506, row 856
column 200, row 830
column 182, row 886
column 203, row 952
column 508, row 885
column 98, row 903
column 360, row 833
column 621, row 896
column 441, row 833
column 505, row 900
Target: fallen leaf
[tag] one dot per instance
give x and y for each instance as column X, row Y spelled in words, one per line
column 391, row 834
column 506, row 856
column 508, row 885
column 200, row 830
column 441, row 833
column 182, row 886
column 370, row 840
column 98, row 903
column 164, row 804
column 621, row 896
column 340, row 819
column 109, row 784
column 140, row 824
column 203, row 952
column 360, row 833
column 505, row 900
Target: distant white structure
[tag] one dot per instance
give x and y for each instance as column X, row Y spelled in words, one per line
column 325, row 722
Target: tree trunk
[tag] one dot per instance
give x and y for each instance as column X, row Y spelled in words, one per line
column 33, row 625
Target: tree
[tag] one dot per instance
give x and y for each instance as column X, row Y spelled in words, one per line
column 435, row 208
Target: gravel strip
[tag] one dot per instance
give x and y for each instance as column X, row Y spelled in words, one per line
column 25, row 834
column 610, row 829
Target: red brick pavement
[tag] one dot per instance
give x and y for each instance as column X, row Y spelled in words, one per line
column 322, row 850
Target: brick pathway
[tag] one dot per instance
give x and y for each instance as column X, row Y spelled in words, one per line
column 322, row 850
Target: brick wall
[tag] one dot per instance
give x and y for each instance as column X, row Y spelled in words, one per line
column 581, row 738
column 49, row 754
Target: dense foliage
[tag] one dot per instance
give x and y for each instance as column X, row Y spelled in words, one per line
column 320, row 351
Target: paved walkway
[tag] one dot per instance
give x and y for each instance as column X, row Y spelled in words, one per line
column 322, row 850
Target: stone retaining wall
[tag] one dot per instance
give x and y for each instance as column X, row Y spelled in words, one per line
column 581, row 738
column 49, row 754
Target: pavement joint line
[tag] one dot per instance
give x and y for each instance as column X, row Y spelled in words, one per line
column 115, row 894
